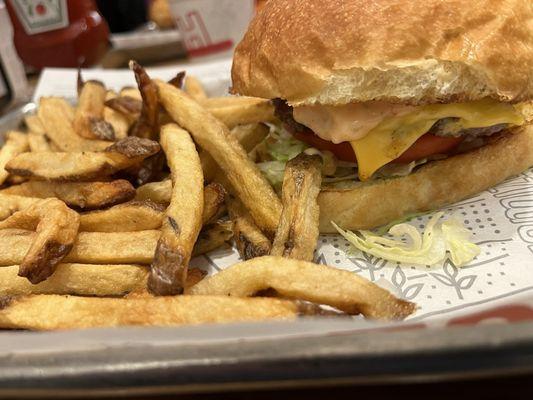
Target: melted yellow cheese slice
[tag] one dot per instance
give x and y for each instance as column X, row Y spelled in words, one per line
column 393, row 136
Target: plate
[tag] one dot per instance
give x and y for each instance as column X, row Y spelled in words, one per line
column 472, row 321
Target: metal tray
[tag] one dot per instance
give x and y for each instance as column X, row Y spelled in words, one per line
column 132, row 361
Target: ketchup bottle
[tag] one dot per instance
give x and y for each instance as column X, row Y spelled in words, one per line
column 58, row 33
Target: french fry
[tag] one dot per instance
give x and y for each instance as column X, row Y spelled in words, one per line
column 57, row 117
column 297, row 232
column 56, row 228
column 38, row 142
column 120, row 122
column 10, row 204
column 88, row 248
column 37, row 138
column 147, row 126
column 183, row 217
column 304, row 280
column 84, row 195
column 34, row 124
column 88, row 118
column 40, row 312
column 132, row 92
column 83, row 166
column 16, row 143
column 15, row 180
column 127, row 217
column 194, row 276
column 233, row 110
column 213, row 236
column 126, row 106
column 178, row 80
column 100, row 247
column 249, row 239
column 194, row 88
column 160, row 192
column 214, row 137
column 214, row 202
column 79, row 279
column 249, row 136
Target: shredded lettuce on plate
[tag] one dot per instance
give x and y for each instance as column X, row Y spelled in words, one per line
column 427, row 248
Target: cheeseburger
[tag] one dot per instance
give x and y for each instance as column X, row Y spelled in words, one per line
column 418, row 103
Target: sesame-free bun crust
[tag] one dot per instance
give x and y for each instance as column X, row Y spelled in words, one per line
column 434, row 185
column 407, row 51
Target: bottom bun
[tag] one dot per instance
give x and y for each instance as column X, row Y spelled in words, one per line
column 434, row 185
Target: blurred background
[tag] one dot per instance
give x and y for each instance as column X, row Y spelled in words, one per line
column 37, row 34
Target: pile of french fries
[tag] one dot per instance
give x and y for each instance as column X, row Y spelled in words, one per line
column 104, row 204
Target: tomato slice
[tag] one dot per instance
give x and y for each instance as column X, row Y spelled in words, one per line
column 427, row 145
column 343, row 151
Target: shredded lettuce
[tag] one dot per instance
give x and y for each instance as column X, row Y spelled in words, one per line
column 285, row 147
column 273, row 171
column 430, row 247
column 391, row 170
column 385, row 228
column 280, row 147
column 457, row 241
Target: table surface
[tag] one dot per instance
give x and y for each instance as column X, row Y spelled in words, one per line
column 495, row 388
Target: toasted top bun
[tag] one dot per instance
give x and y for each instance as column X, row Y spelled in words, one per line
column 405, row 51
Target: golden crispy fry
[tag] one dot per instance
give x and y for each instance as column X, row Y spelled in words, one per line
column 84, row 195
column 233, row 110
column 214, row 202
column 120, row 122
column 37, row 138
column 16, row 180
column 127, row 217
column 304, row 280
column 34, row 124
column 83, row 166
column 178, row 80
column 193, row 87
column 15, row 144
column 88, row 118
column 215, row 138
column 132, row 92
column 183, row 217
column 126, row 106
column 213, row 236
column 297, row 232
column 160, row 192
column 147, row 126
column 43, row 312
column 98, row 247
column 10, row 204
column 194, row 276
column 57, row 117
column 38, row 142
column 56, row 228
column 89, row 247
column 249, row 136
column 80, row 279
column 249, row 239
